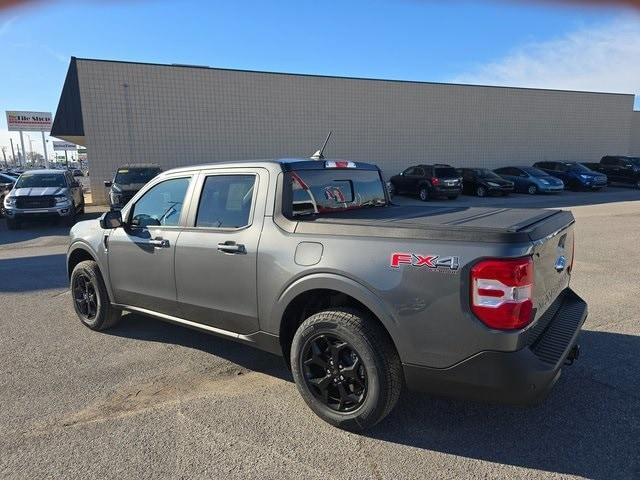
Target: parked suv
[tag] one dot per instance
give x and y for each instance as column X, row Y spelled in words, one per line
column 531, row 180
column 309, row 260
column 482, row 182
column 127, row 181
column 619, row 169
column 428, row 181
column 574, row 175
column 38, row 193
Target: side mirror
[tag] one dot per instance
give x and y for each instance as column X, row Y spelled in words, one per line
column 111, row 219
column 108, row 184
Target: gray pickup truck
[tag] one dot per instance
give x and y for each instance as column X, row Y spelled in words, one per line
column 310, row 260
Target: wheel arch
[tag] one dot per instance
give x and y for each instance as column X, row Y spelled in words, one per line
column 318, row 292
column 79, row 252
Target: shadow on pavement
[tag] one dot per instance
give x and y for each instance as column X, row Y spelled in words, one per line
column 38, row 228
column 588, row 426
column 28, row 274
column 140, row 327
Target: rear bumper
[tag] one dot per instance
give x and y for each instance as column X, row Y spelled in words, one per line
column 551, row 188
column 520, row 377
column 444, row 190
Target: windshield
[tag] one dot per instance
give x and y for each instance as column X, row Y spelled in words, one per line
column 324, row 191
column 578, row 167
column 535, row 172
column 445, row 172
column 127, row 176
column 486, row 173
column 41, row 180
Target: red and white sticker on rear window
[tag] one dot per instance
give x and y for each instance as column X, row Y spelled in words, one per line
column 448, row 264
column 339, row 164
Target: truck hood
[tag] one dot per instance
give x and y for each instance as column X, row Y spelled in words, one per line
column 128, row 187
column 38, row 191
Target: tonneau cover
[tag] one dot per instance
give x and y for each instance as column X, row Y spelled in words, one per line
column 445, row 223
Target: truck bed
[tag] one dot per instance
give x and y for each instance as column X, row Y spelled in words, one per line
column 506, row 225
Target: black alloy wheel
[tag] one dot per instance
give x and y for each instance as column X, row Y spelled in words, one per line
column 334, row 373
column 86, row 299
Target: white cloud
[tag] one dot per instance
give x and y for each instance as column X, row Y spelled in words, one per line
column 604, row 59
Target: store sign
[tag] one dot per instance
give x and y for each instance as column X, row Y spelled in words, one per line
column 29, row 121
column 58, row 146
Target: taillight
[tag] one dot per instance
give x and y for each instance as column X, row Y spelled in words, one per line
column 435, row 181
column 502, row 292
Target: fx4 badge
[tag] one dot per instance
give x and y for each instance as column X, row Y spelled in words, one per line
column 433, row 262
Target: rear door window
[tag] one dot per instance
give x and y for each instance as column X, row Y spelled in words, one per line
column 226, row 201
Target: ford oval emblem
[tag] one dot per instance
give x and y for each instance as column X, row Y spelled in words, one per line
column 561, row 263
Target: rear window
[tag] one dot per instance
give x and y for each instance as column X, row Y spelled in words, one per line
column 445, row 172
column 324, row 191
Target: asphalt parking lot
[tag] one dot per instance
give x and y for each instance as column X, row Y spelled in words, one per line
column 154, row 400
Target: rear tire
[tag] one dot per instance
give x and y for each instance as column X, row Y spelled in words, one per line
column 424, row 194
column 90, row 297
column 368, row 380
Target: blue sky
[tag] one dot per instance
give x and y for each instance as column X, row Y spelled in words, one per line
column 511, row 43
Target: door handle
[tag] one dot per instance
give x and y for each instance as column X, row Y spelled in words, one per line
column 159, row 242
column 231, row 247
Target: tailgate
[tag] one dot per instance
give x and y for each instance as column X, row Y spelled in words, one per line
column 552, row 259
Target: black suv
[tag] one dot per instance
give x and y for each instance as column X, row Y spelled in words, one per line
column 619, row 169
column 428, row 181
column 128, row 180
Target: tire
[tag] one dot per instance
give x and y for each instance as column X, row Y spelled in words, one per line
column 81, row 211
column 638, row 184
column 481, row 191
column 532, row 189
column 71, row 219
column 423, row 193
column 372, row 390
column 105, row 316
column 13, row 224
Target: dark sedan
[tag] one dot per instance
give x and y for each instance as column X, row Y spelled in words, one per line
column 482, row 182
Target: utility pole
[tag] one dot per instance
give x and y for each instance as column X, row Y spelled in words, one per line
column 4, row 154
column 13, row 154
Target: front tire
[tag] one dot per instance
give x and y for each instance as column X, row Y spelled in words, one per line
column 532, row 189
column 90, row 298
column 481, row 191
column 346, row 368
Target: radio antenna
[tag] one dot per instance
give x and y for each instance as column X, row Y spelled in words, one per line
column 319, row 155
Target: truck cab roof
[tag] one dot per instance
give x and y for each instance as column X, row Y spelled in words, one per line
column 286, row 164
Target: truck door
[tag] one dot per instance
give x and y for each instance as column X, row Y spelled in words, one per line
column 141, row 255
column 216, row 254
